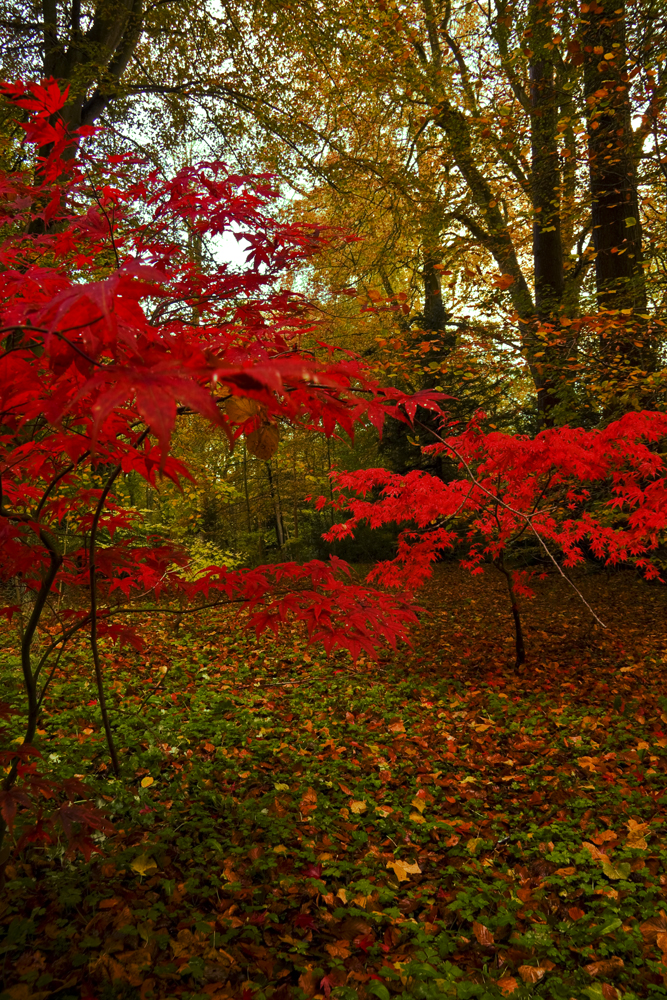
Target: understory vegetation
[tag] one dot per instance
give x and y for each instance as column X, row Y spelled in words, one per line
column 433, row 825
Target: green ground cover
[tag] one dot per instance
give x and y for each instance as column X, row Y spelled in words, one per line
column 288, row 825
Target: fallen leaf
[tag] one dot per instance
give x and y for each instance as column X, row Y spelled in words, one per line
column 143, row 863
column 532, row 973
column 417, row 817
column 419, row 804
column 576, row 913
column 637, row 835
column 508, row 985
column 358, row 806
column 605, row 967
column 147, row 781
column 616, row 871
column 483, row 934
column 281, row 787
column 402, row 869
column 594, row 851
column 654, row 926
column 308, row 803
column 339, row 949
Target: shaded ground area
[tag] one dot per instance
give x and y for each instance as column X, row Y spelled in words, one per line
column 431, row 826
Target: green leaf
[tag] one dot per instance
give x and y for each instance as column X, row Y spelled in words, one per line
column 616, row 871
column 630, row 221
column 378, row 990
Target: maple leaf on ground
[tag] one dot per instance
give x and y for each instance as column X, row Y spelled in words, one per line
column 339, row 949
column 403, row 869
column 508, row 985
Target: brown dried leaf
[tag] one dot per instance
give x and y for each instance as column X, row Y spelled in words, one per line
column 483, row 934
column 605, row 967
column 594, row 852
column 239, row 409
column 263, row 441
column 339, row 949
column 308, row 803
column 637, row 835
column 532, row 973
column 651, row 928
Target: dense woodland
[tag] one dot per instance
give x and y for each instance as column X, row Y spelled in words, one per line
column 333, row 503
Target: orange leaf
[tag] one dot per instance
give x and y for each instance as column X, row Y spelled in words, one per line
column 576, row 913
column 339, row 949
column 309, row 802
column 502, row 281
column 532, row 973
column 508, row 985
column 637, row 835
column 594, row 852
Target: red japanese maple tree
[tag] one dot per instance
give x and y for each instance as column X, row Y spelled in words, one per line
column 575, row 492
column 109, row 332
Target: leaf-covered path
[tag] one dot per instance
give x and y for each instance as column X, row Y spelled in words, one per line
column 430, row 826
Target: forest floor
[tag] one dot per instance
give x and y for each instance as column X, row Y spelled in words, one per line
column 433, row 825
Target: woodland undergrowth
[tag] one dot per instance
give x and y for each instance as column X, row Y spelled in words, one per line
column 291, row 826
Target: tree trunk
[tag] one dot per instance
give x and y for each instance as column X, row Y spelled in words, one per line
column 276, row 507
column 545, row 192
column 617, row 239
column 519, row 645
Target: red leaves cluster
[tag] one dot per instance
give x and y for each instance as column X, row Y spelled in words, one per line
column 575, row 491
column 110, row 331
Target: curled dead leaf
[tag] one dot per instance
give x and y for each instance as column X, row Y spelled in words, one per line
column 532, row 973
column 358, row 806
column 263, row 441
